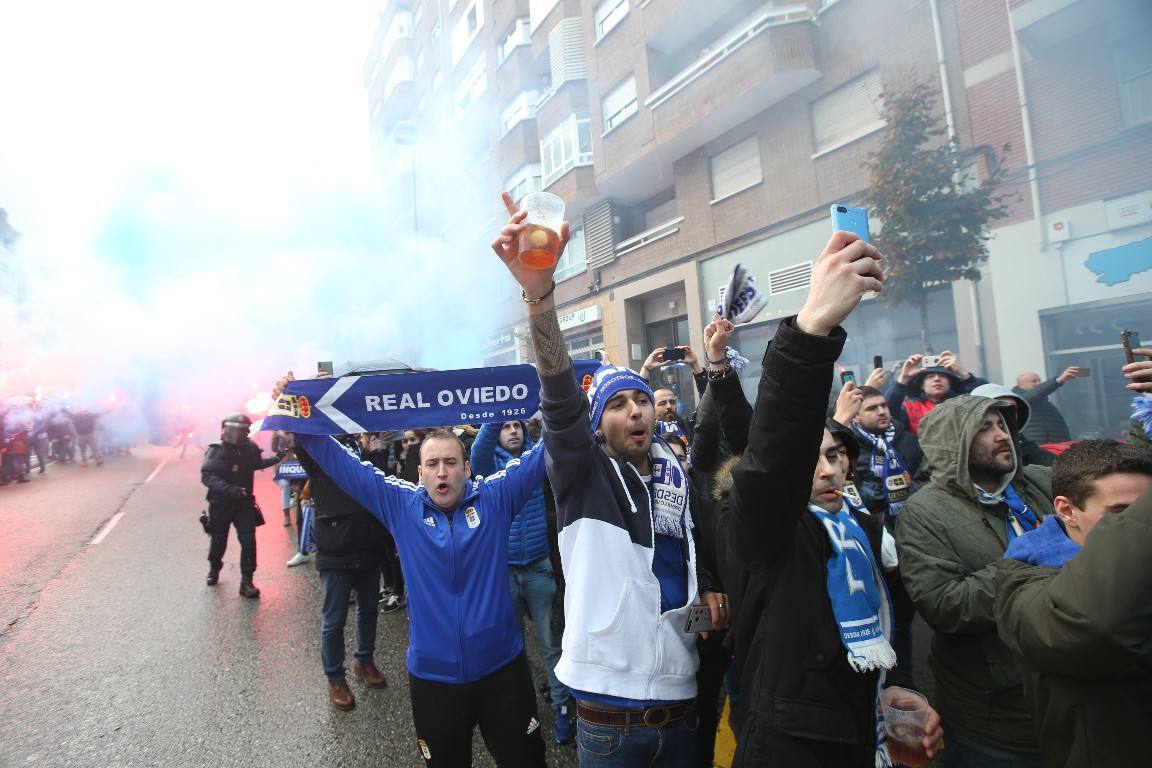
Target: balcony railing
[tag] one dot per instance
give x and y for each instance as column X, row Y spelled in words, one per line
column 648, row 236
column 775, row 17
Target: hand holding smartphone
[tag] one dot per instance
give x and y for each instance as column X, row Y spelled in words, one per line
column 672, row 354
column 699, row 619
column 851, row 219
column 1130, row 341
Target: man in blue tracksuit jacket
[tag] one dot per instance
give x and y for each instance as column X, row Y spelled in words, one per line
column 532, row 582
column 466, row 658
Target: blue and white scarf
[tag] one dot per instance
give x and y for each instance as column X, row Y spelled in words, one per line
column 888, row 465
column 669, row 491
column 1020, row 518
column 861, row 606
column 1142, row 413
column 859, row 596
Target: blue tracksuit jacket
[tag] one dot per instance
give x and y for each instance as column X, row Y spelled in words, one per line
column 461, row 624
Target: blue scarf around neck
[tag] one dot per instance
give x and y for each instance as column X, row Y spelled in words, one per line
column 888, row 465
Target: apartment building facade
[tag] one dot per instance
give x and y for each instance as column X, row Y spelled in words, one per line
column 687, row 137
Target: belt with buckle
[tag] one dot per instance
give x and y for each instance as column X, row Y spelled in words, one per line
column 652, row 717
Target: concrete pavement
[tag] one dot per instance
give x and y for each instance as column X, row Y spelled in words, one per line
column 114, row 652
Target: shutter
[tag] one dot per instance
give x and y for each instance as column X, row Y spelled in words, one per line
column 566, row 52
column 736, row 168
column 847, row 113
column 794, row 278
column 600, row 235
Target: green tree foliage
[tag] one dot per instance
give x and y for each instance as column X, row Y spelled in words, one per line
column 934, row 216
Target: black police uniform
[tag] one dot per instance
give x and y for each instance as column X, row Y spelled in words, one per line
column 227, row 471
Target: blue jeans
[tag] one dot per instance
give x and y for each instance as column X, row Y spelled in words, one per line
column 673, row 746
column 337, row 587
column 963, row 751
column 534, row 586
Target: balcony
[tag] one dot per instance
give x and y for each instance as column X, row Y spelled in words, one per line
column 392, row 94
column 1043, row 24
column 756, row 63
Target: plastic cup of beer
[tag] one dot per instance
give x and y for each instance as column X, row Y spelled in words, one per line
column 905, row 722
column 540, row 240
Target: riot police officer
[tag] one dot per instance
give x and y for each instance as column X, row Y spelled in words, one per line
column 227, row 471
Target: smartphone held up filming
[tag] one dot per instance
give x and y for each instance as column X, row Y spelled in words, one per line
column 673, row 353
column 851, row 219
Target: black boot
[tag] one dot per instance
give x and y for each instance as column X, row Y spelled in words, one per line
column 213, row 575
column 247, row 588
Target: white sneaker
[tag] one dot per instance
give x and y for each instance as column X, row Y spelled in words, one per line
column 298, row 559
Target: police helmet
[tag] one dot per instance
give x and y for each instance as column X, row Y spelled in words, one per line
column 234, row 429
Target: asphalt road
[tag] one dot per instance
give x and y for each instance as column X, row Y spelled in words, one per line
column 113, row 652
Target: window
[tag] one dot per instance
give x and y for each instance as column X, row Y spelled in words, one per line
column 524, row 181
column 848, row 113
column 471, row 88
column 736, row 168
column 437, row 81
column 567, row 146
column 608, row 14
column 1133, row 59
column 417, row 16
column 620, row 103
column 516, row 36
column 574, row 260
column 434, row 35
column 420, row 60
column 523, row 107
column 467, row 27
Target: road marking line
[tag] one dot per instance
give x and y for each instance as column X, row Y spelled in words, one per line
column 111, row 524
column 157, row 470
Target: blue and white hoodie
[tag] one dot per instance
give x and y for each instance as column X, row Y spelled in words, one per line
column 461, row 626
column 617, row 642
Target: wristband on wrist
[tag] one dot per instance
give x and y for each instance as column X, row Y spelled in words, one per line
column 527, row 300
column 721, row 361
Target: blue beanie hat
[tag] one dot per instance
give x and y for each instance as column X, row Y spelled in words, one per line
column 606, row 382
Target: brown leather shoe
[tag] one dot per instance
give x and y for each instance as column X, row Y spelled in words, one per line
column 372, row 677
column 341, row 695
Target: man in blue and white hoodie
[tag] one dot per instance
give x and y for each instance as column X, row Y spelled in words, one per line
column 625, row 536
column 530, row 576
column 466, row 659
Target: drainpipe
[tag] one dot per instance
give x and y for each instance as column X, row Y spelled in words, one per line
column 950, row 121
column 1026, row 121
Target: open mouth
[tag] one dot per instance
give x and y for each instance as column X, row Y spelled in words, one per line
column 441, row 488
column 639, row 435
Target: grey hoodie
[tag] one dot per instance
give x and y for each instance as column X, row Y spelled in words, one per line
column 949, row 543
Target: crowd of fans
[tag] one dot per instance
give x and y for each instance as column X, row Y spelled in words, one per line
column 776, row 552
column 35, row 433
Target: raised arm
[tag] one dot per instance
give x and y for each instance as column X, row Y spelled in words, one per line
column 484, row 449
column 567, row 434
column 772, row 483
column 380, row 494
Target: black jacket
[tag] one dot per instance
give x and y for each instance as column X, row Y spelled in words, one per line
column 347, row 536
column 228, row 470
column 870, row 486
column 799, row 700
column 1045, row 424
